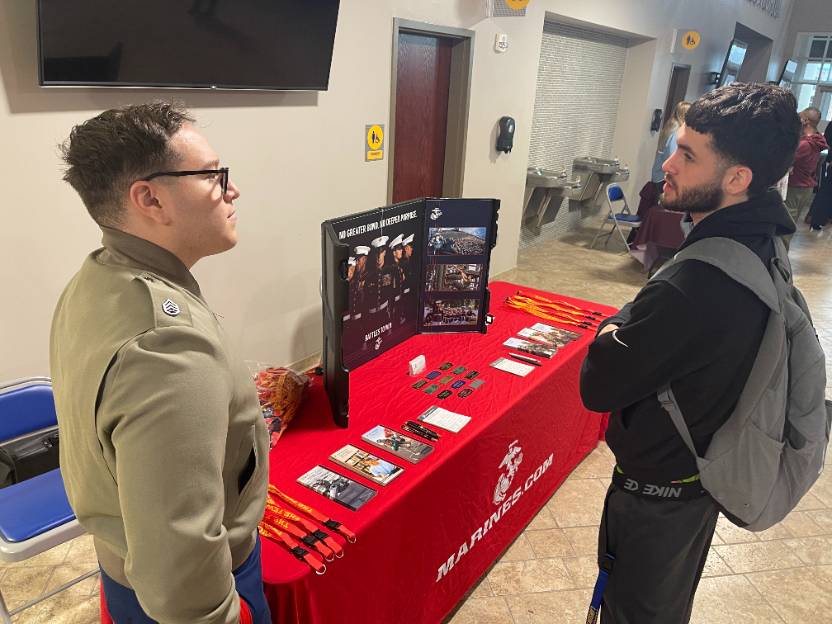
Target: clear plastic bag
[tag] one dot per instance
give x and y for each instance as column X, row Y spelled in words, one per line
column 281, row 392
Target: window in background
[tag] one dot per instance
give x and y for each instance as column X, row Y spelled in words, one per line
column 812, row 85
column 825, row 104
column 805, row 94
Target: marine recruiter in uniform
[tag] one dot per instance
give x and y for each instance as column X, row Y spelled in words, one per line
column 163, row 447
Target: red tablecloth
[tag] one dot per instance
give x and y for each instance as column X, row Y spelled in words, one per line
column 425, row 538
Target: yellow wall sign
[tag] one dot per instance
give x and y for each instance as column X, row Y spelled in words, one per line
column 517, row 5
column 691, row 40
column 374, row 146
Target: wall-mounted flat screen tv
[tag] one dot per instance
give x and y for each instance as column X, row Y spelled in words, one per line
column 209, row 44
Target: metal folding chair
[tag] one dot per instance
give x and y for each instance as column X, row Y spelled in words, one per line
column 34, row 514
column 618, row 215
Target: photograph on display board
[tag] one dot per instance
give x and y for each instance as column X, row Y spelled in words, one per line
column 451, row 312
column 457, row 241
column 339, row 488
column 382, row 273
column 453, row 277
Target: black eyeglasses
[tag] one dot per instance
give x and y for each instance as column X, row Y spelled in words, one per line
column 223, row 173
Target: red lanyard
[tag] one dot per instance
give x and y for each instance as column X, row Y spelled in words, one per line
column 559, row 311
column 309, row 511
column 275, row 522
column 573, row 306
column 543, row 313
column 296, row 549
column 559, row 307
column 314, row 536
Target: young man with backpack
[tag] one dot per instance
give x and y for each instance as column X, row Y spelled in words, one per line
column 704, row 343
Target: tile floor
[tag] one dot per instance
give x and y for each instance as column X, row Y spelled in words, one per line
column 783, row 575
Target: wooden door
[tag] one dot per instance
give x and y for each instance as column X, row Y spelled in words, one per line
column 422, row 87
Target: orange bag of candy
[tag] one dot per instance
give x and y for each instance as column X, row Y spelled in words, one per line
column 281, row 393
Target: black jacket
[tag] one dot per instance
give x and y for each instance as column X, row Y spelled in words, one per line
column 698, row 331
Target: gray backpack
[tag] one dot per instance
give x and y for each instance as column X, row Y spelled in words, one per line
column 772, row 448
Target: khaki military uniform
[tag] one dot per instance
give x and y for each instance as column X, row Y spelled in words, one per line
column 164, row 451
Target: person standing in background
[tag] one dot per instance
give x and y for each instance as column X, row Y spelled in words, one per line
column 650, row 192
column 821, row 210
column 667, row 141
column 803, row 176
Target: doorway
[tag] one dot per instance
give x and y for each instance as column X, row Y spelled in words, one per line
column 757, row 56
column 430, row 94
column 679, row 77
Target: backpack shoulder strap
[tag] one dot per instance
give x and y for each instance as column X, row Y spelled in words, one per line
column 743, row 266
column 671, row 406
column 735, row 260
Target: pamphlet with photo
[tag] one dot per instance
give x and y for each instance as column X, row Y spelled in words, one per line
column 366, row 464
column 541, row 350
column 398, row 444
column 336, row 487
column 554, row 335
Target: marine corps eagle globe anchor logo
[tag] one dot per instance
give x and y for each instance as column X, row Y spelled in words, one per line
column 435, row 213
column 511, row 462
column 378, row 343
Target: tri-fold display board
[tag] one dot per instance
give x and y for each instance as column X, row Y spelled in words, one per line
column 419, row 266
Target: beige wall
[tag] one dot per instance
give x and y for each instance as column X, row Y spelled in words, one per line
column 298, row 157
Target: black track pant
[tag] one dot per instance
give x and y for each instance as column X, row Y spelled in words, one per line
column 821, row 211
column 660, row 548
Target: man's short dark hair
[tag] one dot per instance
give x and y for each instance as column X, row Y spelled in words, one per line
column 755, row 125
column 106, row 154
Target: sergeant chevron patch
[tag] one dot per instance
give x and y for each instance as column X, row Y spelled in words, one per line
column 170, row 308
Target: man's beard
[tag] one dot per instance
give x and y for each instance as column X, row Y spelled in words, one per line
column 700, row 199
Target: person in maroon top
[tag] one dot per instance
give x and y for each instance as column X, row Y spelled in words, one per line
column 803, row 177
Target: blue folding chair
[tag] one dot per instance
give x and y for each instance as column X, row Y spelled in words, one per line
column 34, row 514
column 618, row 214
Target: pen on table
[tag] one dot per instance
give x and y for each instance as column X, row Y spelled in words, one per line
column 421, row 434
column 523, row 358
column 421, row 428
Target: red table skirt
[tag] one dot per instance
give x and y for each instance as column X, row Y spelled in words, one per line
column 427, row 537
